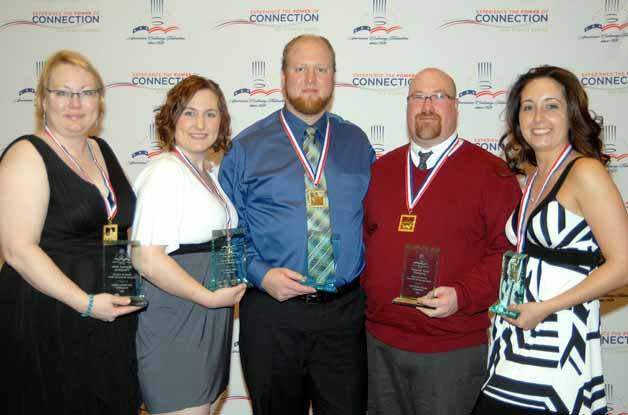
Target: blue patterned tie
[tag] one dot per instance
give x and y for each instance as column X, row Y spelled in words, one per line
column 320, row 258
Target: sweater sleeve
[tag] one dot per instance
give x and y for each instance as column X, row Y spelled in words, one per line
column 479, row 287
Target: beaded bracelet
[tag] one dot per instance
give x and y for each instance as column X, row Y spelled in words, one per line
column 90, row 306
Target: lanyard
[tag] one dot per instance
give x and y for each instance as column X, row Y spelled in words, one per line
column 524, row 204
column 208, row 184
column 314, row 176
column 111, row 202
column 412, row 201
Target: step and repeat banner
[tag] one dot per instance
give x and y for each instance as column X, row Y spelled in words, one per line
column 144, row 47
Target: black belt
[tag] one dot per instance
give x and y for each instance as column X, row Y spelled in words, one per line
column 200, row 247
column 565, row 256
column 321, row 297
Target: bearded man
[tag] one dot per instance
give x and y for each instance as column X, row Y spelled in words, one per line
column 434, row 233
column 298, row 179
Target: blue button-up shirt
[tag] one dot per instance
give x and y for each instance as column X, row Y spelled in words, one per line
column 264, row 178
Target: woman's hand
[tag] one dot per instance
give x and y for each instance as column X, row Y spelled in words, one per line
column 226, row 297
column 108, row 307
column 530, row 314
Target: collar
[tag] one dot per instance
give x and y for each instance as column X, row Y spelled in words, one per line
column 298, row 126
column 437, row 150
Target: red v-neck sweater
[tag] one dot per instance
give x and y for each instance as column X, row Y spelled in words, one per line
column 463, row 213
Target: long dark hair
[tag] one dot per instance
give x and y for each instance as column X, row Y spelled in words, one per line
column 584, row 130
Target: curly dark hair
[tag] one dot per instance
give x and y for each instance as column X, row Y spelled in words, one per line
column 584, row 130
column 176, row 101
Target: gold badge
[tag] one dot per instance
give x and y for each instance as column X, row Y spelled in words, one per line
column 110, row 232
column 406, row 223
column 316, row 198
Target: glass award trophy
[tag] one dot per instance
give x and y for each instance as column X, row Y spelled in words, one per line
column 119, row 276
column 321, row 273
column 511, row 286
column 228, row 258
column 420, row 269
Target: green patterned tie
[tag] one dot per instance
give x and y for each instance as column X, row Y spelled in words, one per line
column 320, row 255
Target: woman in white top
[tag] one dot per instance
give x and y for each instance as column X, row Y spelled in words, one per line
column 184, row 336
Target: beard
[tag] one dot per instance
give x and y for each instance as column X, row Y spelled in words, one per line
column 308, row 106
column 427, row 129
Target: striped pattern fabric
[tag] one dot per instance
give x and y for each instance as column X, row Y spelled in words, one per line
column 557, row 366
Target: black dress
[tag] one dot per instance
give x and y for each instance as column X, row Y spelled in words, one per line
column 52, row 360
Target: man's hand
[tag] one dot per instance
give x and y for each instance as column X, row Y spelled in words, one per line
column 443, row 300
column 283, row 284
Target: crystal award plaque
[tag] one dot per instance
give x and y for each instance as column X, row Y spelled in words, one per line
column 119, row 276
column 228, row 253
column 420, row 270
column 511, row 286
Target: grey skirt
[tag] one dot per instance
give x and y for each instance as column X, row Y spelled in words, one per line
column 183, row 349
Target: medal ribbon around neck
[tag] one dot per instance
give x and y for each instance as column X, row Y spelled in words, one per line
column 208, row 184
column 111, row 201
column 411, row 201
column 524, row 204
column 315, row 177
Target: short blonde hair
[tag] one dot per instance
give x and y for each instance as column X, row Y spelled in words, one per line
column 68, row 57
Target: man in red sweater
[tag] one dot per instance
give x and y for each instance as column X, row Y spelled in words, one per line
column 449, row 195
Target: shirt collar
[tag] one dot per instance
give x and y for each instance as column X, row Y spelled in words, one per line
column 298, row 126
column 437, row 151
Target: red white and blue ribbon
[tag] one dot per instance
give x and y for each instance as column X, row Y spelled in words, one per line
column 524, row 204
column 314, row 175
column 111, row 201
column 412, row 201
column 208, row 184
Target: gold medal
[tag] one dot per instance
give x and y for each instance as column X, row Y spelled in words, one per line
column 406, row 223
column 110, row 232
column 316, row 198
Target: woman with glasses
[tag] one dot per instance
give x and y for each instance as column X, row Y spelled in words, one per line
column 67, row 347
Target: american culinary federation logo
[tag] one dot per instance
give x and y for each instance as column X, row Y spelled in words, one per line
column 387, row 83
column 609, row 24
column 484, row 95
column 515, row 20
column 377, row 137
column 295, row 19
column 258, row 94
column 157, row 32
column 27, row 94
column 153, row 81
column 151, row 147
column 380, row 31
column 619, row 158
column 76, row 20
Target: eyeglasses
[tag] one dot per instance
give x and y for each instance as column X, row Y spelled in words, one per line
column 436, row 97
column 66, row 95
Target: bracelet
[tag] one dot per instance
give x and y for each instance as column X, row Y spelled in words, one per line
column 90, row 306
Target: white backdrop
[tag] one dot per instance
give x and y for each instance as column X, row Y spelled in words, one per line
column 143, row 47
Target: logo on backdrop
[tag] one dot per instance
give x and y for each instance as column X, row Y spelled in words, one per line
column 381, row 30
column 615, row 82
column 377, row 137
column 490, row 144
column 512, row 20
column 151, row 149
column 388, row 83
column 160, row 30
column 27, row 94
column 484, row 94
column 284, row 19
column 619, row 159
column 615, row 341
column 258, row 93
column 155, row 81
column 76, row 20
column 609, row 24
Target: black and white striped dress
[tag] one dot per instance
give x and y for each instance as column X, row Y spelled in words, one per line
column 557, row 366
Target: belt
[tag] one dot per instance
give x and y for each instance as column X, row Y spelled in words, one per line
column 322, row 297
